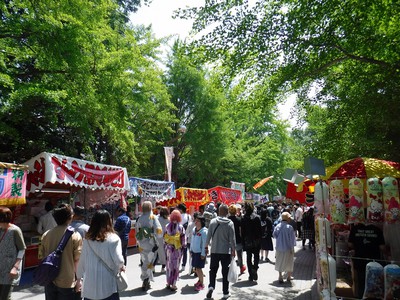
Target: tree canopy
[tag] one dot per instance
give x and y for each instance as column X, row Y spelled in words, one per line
column 342, row 56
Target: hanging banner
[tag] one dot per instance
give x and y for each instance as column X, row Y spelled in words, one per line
column 12, row 184
column 47, row 168
column 188, row 196
column 225, row 195
column 239, row 186
column 169, row 155
column 159, row 190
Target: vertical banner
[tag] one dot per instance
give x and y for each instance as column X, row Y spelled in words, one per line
column 239, row 186
column 12, row 187
column 169, row 155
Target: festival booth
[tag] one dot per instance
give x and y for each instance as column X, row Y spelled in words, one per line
column 192, row 198
column 148, row 190
column 358, row 201
column 225, row 195
column 59, row 178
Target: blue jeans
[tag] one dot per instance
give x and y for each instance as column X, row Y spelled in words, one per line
column 53, row 292
column 225, row 260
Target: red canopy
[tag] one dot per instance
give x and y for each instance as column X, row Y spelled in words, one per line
column 190, row 197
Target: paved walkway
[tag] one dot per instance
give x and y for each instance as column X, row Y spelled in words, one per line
column 303, row 287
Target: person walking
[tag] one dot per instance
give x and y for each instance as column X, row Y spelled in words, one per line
column 251, row 235
column 285, row 242
column 175, row 241
column 163, row 218
column 148, row 228
column 266, row 235
column 298, row 217
column 12, row 249
column 62, row 288
column 221, row 235
column 186, row 220
column 237, row 220
column 101, row 259
column 308, row 231
column 198, row 250
column 123, row 227
column 78, row 221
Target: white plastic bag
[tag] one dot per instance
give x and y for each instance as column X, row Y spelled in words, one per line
column 233, row 272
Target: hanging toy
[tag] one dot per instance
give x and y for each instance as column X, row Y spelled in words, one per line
column 336, row 199
column 391, row 199
column 321, row 199
column 375, row 211
column 356, row 201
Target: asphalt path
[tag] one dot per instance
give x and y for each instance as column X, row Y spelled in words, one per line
column 302, row 287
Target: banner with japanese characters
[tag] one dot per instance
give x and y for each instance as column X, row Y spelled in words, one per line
column 12, row 184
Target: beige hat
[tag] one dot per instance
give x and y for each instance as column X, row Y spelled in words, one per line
column 285, row 216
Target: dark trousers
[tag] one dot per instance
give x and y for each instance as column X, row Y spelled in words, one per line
column 225, row 260
column 114, row 296
column 298, row 225
column 5, row 291
column 252, row 266
column 184, row 254
column 53, row 292
column 124, row 245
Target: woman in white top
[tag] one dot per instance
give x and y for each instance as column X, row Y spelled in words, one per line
column 101, row 246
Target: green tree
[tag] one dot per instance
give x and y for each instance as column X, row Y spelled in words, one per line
column 341, row 55
column 72, row 83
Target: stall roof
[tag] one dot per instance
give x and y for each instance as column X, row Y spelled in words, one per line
column 47, row 170
column 189, row 196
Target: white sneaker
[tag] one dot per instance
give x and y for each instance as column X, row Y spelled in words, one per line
column 226, row 296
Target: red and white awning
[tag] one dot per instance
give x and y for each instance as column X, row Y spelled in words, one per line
column 47, row 169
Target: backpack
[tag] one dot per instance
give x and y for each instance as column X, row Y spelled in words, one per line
column 49, row 267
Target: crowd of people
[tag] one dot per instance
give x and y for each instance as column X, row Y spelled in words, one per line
column 171, row 238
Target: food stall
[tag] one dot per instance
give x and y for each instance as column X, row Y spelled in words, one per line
column 58, row 178
column 148, row 190
column 192, row 198
column 225, row 195
column 360, row 195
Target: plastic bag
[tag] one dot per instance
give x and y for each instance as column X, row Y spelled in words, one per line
column 233, row 272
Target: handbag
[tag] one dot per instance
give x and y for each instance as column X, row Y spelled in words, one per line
column 49, row 268
column 233, row 272
column 122, row 279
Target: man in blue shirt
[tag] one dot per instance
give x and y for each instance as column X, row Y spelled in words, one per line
column 122, row 227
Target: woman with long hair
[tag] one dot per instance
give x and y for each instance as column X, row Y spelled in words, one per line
column 101, row 259
column 12, row 249
column 175, row 241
